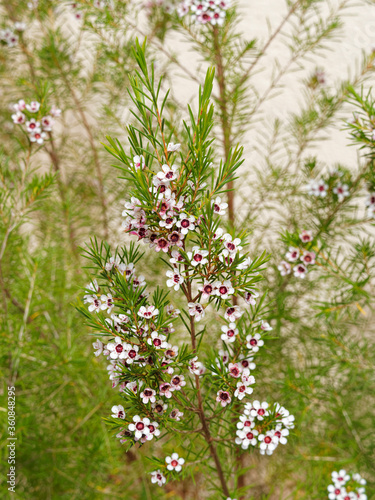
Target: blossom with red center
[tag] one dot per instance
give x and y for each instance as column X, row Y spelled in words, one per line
column 158, row 341
column 207, row 289
column 132, row 354
column 196, row 310
column 172, row 352
column 186, row 223
column 33, row 107
column 140, row 426
column 341, row 191
column 175, row 279
column 245, row 423
column 235, row 370
column 95, row 303
column 18, row 118
column 229, row 332
column 250, row 297
column 233, row 313
column 118, row 412
column 165, row 389
column 197, row 257
column 148, row 395
column 280, row 435
column 118, row 349
column 167, row 174
column 299, row 271
column 308, row 258
column 231, row 245
column 284, row 268
column 223, row 289
column 176, row 414
column 268, row 442
column 242, row 390
column 254, row 342
column 157, row 477
column 168, row 220
column 47, row 123
column 107, row 303
column 37, row 137
column 159, row 406
column 256, row 409
column 148, row 312
column 306, row 236
column 177, row 382
column 223, row 397
column 219, row 206
column 246, row 437
column 196, row 367
column 340, row 478
column 138, row 162
column 336, row 492
column 247, row 363
column 293, row 254
column 174, row 462
column 162, row 244
column 175, row 238
column 33, row 126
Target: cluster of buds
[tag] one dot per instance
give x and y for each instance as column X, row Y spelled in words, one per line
column 263, row 427
column 330, row 184
column 35, row 119
column 301, row 258
column 9, row 36
column 205, row 11
column 346, row 487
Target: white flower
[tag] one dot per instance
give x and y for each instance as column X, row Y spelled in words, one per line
column 159, row 406
column 138, row 162
column 107, row 303
column 140, row 426
column 246, row 437
column 207, row 289
column 186, row 223
column 340, row 478
column 18, row 118
column 284, row 268
column 148, row 312
column 219, row 206
column 47, row 123
column 174, row 462
column 176, row 279
column 223, row 397
column 257, row 409
column 20, row 106
column 245, row 264
column 157, row 477
column 131, row 354
column 55, row 112
column 117, row 349
column 229, row 332
column 94, row 301
column 233, row 313
column 148, row 395
column 232, row 245
column 265, row 326
column 168, row 173
column 196, row 367
column 342, row 191
column 173, row 147
column 98, row 345
column 223, row 289
column 177, row 382
column 306, row 236
column 165, row 389
column 196, row 310
column 268, row 443
column 33, row 107
column 250, row 297
column 321, row 188
column 254, row 342
column 293, row 254
column 308, row 258
column 335, row 492
column 168, row 220
column 242, row 390
column 299, row 271
column 118, row 412
column 158, row 341
column 197, row 257
column 176, row 414
column 280, row 435
column 37, row 137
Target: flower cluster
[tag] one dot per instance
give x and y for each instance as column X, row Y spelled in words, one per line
column 346, row 487
column 205, row 11
column 301, row 258
column 9, row 35
column 331, row 184
column 35, row 119
column 263, row 427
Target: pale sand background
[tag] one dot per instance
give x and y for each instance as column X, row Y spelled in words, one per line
column 357, row 35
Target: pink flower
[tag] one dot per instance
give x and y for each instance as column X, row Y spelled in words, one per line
column 292, row 254
column 233, row 313
column 306, row 236
column 157, row 477
column 299, row 271
column 148, row 395
column 207, row 289
column 284, row 268
column 223, row 397
column 165, row 389
column 308, row 258
column 177, row 382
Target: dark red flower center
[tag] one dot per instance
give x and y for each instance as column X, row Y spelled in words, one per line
column 185, row 223
column 157, row 342
column 250, row 435
column 174, row 463
column 140, row 426
column 267, row 439
column 223, row 290
column 119, row 348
